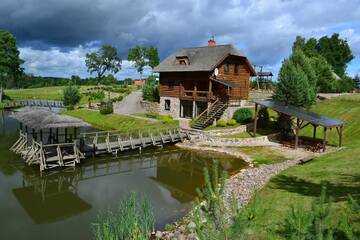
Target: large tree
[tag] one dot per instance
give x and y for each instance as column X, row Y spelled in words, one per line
column 142, row 56
column 10, row 61
column 153, row 57
column 336, row 51
column 138, row 56
column 293, row 86
column 106, row 59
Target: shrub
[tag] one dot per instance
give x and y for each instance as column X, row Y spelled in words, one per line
column 107, row 109
column 221, row 123
column 71, row 95
column 243, row 115
column 231, row 122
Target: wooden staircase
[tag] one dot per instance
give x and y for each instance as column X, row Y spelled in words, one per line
column 212, row 113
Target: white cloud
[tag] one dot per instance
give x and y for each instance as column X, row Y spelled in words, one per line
column 56, row 63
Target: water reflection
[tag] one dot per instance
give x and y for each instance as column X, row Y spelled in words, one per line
column 52, row 196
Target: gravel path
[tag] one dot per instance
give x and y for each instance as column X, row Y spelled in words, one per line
column 130, row 104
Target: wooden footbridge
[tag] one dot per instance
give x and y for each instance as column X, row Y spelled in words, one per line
column 33, row 103
column 49, row 156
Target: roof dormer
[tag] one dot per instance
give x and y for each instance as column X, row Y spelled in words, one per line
column 182, row 60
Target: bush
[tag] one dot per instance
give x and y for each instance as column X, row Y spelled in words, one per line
column 117, row 99
column 243, row 115
column 231, row 122
column 107, row 109
column 71, row 95
column 221, row 123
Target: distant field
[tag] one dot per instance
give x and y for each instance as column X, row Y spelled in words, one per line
column 45, row 93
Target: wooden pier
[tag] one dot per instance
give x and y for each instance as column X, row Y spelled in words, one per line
column 49, row 156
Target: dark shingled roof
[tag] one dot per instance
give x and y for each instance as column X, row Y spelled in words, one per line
column 300, row 113
column 200, row 59
column 38, row 118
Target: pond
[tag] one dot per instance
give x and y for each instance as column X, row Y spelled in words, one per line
column 62, row 204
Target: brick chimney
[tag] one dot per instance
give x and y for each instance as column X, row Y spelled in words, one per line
column 211, row 42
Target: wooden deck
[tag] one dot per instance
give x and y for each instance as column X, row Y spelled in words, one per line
column 49, row 156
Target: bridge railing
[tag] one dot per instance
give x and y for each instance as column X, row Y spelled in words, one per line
column 124, row 135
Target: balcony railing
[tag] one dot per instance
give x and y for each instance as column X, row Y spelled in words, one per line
column 200, row 95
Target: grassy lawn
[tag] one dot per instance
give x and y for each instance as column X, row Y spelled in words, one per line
column 211, row 127
column 46, row 93
column 116, row 121
column 263, row 155
column 339, row 171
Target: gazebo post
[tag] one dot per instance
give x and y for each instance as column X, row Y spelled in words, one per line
column 74, row 132
column 33, row 134
column 314, row 136
column 41, row 135
column 340, row 132
column 50, row 135
column 255, row 119
column 325, row 138
column 297, row 131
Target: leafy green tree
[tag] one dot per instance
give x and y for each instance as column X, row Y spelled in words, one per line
column 336, row 51
column 10, row 61
column 151, row 90
column 345, row 84
column 293, row 86
column 106, row 59
column 153, row 57
column 299, row 59
column 71, row 95
column 138, row 56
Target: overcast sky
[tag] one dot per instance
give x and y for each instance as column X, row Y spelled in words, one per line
column 55, row 35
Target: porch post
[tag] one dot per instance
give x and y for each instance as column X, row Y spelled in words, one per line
column 255, row 119
column 194, row 110
column 210, row 89
column 325, row 138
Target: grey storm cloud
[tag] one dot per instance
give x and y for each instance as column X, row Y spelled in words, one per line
column 264, row 30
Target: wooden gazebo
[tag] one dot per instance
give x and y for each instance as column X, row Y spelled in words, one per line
column 40, row 122
column 303, row 119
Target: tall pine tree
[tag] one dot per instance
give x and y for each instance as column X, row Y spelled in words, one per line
column 296, row 81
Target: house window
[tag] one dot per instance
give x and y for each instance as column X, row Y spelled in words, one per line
column 167, row 105
column 182, row 60
column 236, row 68
column 226, row 68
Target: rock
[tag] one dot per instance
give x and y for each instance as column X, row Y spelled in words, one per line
column 158, row 235
column 181, row 237
column 191, row 226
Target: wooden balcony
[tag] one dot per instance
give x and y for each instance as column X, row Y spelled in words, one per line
column 196, row 95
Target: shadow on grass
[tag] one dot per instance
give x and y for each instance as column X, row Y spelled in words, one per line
column 347, row 184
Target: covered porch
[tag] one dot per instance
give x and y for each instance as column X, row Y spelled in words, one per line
column 302, row 118
column 206, row 90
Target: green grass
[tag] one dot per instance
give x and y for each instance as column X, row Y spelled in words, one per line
column 263, row 155
column 116, row 121
column 166, row 119
column 340, row 171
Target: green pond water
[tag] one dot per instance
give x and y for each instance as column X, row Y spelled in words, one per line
column 62, row 204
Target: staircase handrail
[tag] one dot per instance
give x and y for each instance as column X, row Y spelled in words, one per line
column 206, row 110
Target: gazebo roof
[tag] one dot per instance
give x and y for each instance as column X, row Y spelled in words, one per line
column 300, row 113
column 38, row 118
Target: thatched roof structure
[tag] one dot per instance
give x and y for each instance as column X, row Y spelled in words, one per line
column 37, row 118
